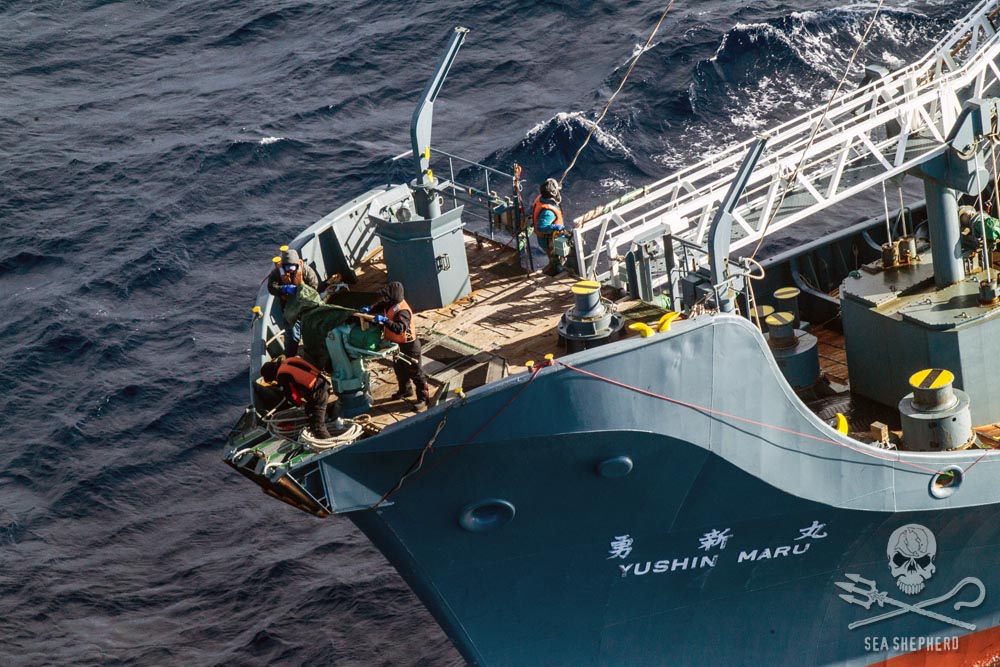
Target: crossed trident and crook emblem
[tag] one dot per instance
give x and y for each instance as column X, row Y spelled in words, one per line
column 871, row 595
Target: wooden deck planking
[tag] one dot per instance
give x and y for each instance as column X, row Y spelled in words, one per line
column 832, row 354
column 509, row 313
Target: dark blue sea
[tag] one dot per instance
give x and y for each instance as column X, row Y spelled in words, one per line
column 153, row 156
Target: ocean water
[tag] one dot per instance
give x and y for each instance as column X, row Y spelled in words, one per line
column 155, row 154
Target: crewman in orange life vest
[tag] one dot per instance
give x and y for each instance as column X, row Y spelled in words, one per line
column 398, row 327
column 303, row 385
column 547, row 219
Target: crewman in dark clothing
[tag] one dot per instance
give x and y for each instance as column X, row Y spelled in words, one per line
column 303, row 385
column 396, row 319
column 288, row 273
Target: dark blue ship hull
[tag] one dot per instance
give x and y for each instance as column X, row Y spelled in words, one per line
column 723, row 543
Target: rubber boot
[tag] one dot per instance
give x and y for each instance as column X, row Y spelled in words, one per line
column 423, row 395
column 404, row 392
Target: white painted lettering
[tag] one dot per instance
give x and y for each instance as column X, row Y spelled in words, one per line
column 661, row 566
column 747, row 556
column 804, row 548
column 766, row 553
column 626, row 568
column 781, row 551
column 679, row 565
column 637, row 573
column 707, row 561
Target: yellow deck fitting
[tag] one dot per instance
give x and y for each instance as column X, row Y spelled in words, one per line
column 931, row 378
column 780, row 319
column 841, row 423
column 666, row 320
column 644, row 329
column 586, row 287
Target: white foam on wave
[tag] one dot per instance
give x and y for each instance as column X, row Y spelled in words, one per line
column 615, row 183
column 569, row 120
column 270, row 140
column 815, row 49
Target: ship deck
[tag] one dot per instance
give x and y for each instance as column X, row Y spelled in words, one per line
column 507, row 320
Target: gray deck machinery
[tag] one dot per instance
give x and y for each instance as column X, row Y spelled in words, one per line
column 910, row 312
column 919, row 326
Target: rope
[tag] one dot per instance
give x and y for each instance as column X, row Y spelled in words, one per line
column 746, row 420
column 985, row 262
column 902, row 213
column 615, row 94
column 321, row 445
column 287, row 423
column 419, row 461
column 795, row 172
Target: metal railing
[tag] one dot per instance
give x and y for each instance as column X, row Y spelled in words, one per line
column 488, row 188
column 871, row 135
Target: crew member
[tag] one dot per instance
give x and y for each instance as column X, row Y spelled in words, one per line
column 288, row 273
column 547, row 219
column 303, row 385
column 972, row 220
column 398, row 327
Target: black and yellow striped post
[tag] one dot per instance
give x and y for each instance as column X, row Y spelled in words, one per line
column 787, row 299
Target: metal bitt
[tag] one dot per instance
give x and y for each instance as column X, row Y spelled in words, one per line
column 890, row 255
column 796, row 352
column 591, row 321
column 988, row 292
column 425, row 196
column 787, row 300
column 760, row 315
column 935, row 416
column 907, row 250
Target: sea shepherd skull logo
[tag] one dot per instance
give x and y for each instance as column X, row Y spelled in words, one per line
column 912, row 550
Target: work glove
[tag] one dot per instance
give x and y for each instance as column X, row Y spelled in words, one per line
column 288, row 290
column 381, row 319
column 365, row 309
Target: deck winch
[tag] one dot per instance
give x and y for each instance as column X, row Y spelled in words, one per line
column 935, row 416
column 591, row 321
column 350, row 346
column 796, row 351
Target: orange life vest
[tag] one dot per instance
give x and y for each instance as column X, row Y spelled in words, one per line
column 407, row 336
column 536, row 211
column 301, row 373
